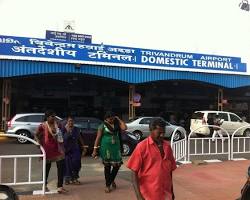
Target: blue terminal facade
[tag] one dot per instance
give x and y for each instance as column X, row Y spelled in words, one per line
column 75, row 76
column 21, row 56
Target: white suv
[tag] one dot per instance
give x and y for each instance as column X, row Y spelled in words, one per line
column 25, row 124
column 231, row 122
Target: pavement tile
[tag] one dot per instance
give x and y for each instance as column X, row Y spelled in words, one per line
column 92, row 188
column 213, row 181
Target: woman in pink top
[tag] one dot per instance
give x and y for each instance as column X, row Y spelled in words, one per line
column 49, row 136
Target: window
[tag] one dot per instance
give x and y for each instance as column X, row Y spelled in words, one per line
column 223, row 116
column 197, row 115
column 145, row 121
column 234, row 118
column 35, row 118
column 81, row 124
column 22, row 119
column 210, row 115
column 94, row 125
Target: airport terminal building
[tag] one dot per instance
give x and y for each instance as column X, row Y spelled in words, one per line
column 88, row 79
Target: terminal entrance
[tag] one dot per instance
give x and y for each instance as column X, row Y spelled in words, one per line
column 91, row 96
column 180, row 97
column 69, row 94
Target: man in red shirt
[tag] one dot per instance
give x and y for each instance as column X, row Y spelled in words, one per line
column 152, row 164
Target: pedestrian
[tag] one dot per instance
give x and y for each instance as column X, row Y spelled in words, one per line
column 245, row 191
column 74, row 149
column 210, row 122
column 172, row 119
column 50, row 138
column 244, row 118
column 110, row 147
column 152, row 164
column 217, row 131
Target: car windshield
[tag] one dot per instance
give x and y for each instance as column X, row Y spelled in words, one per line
column 133, row 119
column 81, row 124
column 197, row 115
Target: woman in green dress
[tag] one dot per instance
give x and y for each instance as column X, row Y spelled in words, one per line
column 108, row 137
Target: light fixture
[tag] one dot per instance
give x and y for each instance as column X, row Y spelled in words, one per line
column 244, row 5
column 77, row 66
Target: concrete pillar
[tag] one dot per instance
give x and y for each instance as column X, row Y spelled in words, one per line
column 131, row 112
column 6, row 99
column 220, row 99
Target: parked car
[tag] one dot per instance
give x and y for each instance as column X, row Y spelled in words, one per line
column 26, row 124
column 6, row 192
column 88, row 128
column 231, row 122
column 140, row 128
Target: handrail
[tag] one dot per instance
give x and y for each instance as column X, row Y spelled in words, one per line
column 233, row 136
column 179, row 142
column 213, row 126
column 43, row 155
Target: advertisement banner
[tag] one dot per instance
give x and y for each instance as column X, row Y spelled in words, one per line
column 72, row 52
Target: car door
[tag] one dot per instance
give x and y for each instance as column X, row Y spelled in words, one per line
column 33, row 121
column 168, row 130
column 236, row 122
column 226, row 122
column 92, row 132
column 84, row 130
column 144, row 126
column 196, row 121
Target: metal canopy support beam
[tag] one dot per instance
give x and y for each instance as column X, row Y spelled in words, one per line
column 131, row 114
column 220, row 99
column 6, row 97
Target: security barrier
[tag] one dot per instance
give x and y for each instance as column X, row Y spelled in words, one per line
column 244, row 140
column 179, row 147
column 207, row 141
column 15, row 157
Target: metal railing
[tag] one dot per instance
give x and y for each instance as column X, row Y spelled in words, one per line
column 15, row 157
column 201, row 142
column 179, row 147
column 241, row 149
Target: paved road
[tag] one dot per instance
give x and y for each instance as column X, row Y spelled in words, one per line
column 90, row 166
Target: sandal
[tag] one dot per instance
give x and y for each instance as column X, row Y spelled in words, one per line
column 46, row 189
column 61, row 190
column 67, row 182
column 107, row 190
column 76, row 182
column 113, row 185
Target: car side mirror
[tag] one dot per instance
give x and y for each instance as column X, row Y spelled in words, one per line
column 241, row 120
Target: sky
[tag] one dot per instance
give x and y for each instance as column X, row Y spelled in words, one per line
column 217, row 27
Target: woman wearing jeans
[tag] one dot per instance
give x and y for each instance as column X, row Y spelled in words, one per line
column 50, row 138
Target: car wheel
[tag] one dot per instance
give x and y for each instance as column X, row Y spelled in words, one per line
column 23, row 133
column 7, row 193
column 177, row 136
column 246, row 133
column 126, row 149
column 138, row 135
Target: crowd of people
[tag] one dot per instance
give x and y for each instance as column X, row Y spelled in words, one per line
column 151, row 163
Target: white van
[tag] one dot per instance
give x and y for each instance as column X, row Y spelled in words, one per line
column 231, row 122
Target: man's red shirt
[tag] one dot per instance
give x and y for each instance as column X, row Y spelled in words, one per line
column 154, row 172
